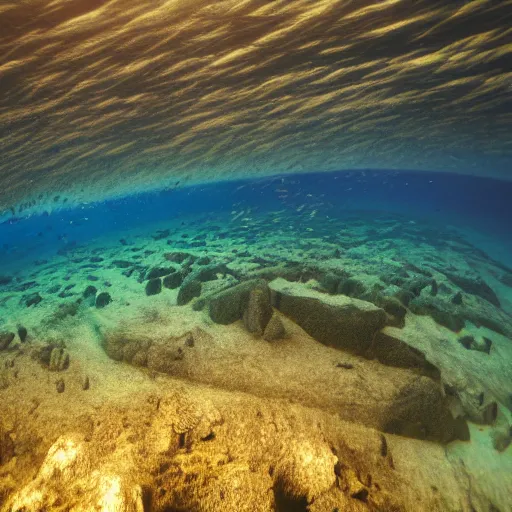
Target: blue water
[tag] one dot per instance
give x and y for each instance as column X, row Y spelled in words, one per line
column 481, row 206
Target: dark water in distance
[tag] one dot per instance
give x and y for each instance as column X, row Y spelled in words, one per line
column 466, row 202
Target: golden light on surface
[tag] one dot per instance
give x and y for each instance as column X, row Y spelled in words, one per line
column 95, row 92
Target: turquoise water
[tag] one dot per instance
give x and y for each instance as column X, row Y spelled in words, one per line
column 389, row 296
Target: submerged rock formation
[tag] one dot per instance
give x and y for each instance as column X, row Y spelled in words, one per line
column 338, row 321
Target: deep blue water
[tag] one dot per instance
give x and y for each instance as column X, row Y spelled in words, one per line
column 484, row 205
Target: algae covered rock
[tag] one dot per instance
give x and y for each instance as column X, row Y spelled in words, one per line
column 32, row 300
column 22, row 333
column 173, row 280
column 338, row 321
column 154, row 286
column 275, row 329
column 190, row 289
column 258, row 312
column 103, row 299
column 6, row 339
column 90, row 291
column 420, row 411
column 229, row 305
column 393, row 351
column 474, row 285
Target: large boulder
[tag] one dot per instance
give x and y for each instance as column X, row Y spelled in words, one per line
column 338, row 321
column 259, row 311
column 190, row 289
column 474, row 285
column 393, row 351
column 229, row 305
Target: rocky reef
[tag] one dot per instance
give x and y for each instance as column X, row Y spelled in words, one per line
column 219, row 366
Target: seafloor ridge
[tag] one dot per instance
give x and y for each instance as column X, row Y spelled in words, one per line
column 259, row 361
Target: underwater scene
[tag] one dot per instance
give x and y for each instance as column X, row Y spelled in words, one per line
column 255, row 256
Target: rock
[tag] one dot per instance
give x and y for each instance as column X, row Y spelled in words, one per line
column 393, row 351
column 330, row 282
column 32, row 300
column 481, row 344
column 59, row 359
column 275, row 329
column 188, row 340
column 338, row 321
column 163, row 357
column 179, row 257
column 4, row 280
column 121, row 347
column 447, row 317
column 90, row 291
column 292, row 271
column 189, row 289
column 5, row 339
column 210, row 272
column 404, row 296
column 506, row 279
column 457, row 299
column 154, row 286
column 156, row 272
column 351, row 287
column 22, row 333
column 420, row 411
column 65, row 310
column 103, row 299
column 453, row 316
column 416, row 285
column 65, row 480
column 123, row 263
column 173, row 281
column 228, row 306
column 60, row 386
column 306, row 470
column 258, row 312
column 474, row 286
column 501, row 434
column 393, row 307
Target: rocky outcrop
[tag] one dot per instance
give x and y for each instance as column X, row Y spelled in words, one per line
column 275, row 329
column 189, row 289
column 229, row 305
column 393, row 351
column 68, row 473
column 154, row 286
column 474, row 285
column 259, row 311
column 338, row 321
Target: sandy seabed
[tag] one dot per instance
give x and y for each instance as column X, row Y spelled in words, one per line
column 343, row 364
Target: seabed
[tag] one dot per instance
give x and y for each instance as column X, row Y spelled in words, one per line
column 258, row 360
